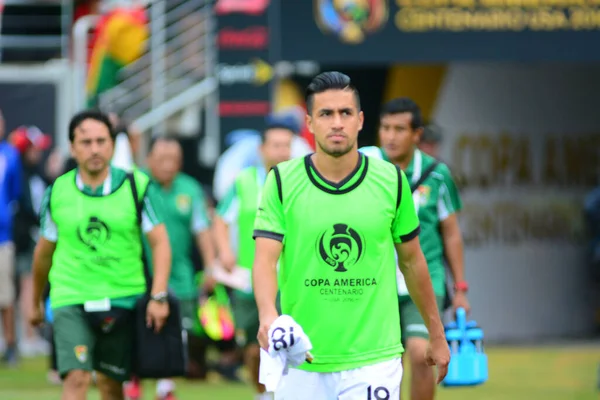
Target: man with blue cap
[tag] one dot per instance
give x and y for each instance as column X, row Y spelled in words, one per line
column 244, row 151
column 237, row 211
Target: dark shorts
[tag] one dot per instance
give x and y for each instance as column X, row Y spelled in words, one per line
column 80, row 347
column 245, row 314
column 411, row 322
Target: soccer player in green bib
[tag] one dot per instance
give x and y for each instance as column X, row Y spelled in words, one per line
column 437, row 203
column 186, row 219
column 337, row 218
column 238, row 210
column 91, row 251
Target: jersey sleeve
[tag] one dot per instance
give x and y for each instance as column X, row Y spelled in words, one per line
column 48, row 228
column 152, row 209
column 228, row 207
column 405, row 226
column 200, row 220
column 270, row 222
column 449, row 201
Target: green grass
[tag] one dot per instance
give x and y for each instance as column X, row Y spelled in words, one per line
column 515, row 374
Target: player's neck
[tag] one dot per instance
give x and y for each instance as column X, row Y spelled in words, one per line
column 404, row 161
column 93, row 180
column 166, row 185
column 268, row 165
column 335, row 169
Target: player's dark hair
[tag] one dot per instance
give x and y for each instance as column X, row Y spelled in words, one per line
column 331, row 80
column 279, row 122
column 96, row 115
column 164, row 139
column 265, row 133
column 402, row 105
column 432, row 133
column 122, row 126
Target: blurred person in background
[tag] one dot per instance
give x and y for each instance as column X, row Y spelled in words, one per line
column 31, row 143
column 437, row 203
column 430, row 141
column 244, row 151
column 186, row 218
column 239, row 208
column 10, row 191
column 592, row 218
column 54, row 165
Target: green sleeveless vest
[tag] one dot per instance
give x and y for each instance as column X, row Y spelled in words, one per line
column 248, row 190
column 99, row 251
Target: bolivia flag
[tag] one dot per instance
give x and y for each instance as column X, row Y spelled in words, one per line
column 119, row 40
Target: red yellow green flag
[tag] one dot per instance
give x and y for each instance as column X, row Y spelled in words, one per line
column 119, row 40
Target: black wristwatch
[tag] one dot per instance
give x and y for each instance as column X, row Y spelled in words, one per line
column 160, row 297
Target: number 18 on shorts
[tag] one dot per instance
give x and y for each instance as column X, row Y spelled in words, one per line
column 374, row 382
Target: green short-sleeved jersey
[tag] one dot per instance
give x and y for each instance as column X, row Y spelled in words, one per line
column 337, row 269
column 185, row 215
column 435, row 199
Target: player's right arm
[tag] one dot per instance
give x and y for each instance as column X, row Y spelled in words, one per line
column 405, row 230
column 227, row 212
column 269, row 233
column 42, row 256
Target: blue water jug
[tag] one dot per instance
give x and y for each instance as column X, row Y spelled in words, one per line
column 468, row 363
column 48, row 311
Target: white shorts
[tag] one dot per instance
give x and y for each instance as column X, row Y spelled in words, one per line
column 374, row 382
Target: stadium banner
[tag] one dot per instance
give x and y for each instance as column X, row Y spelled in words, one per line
column 244, row 70
column 522, row 141
column 358, row 32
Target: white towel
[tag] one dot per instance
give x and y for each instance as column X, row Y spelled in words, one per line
column 288, row 346
column 122, row 156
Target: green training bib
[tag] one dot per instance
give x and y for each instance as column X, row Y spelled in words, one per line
column 99, row 251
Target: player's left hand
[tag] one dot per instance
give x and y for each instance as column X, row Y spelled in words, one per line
column 263, row 332
column 156, row 314
column 438, row 354
column 460, row 301
column 209, row 283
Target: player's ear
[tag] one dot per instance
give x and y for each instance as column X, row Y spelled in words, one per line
column 308, row 119
column 417, row 135
column 361, row 120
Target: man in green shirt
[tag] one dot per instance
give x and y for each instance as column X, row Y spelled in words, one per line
column 238, row 210
column 91, row 252
column 437, row 202
column 337, row 218
column 186, row 219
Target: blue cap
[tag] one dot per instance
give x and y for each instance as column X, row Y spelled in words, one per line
column 239, row 134
column 283, row 120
